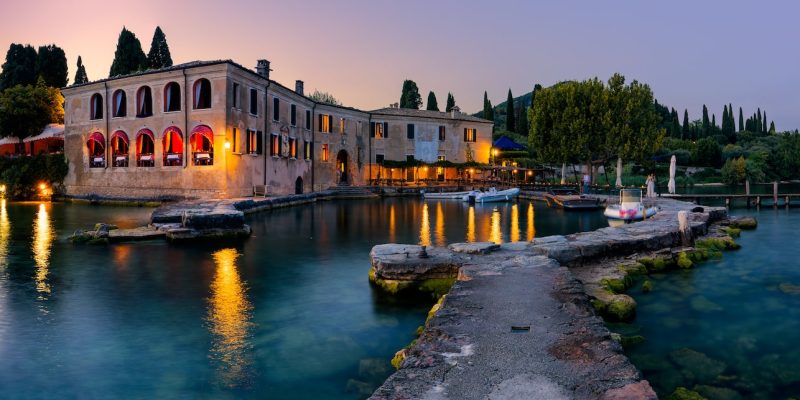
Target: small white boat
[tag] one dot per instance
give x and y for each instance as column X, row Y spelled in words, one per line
column 444, row 195
column 630, row 207
column 492, row 195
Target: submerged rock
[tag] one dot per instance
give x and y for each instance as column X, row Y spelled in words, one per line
column 717, row 393
column 789, row 288
column 683, row 393
column 744, row 222
column 703, row 304
column 697, row 365
column 647, row 286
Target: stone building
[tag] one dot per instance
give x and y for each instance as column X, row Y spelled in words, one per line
column 216, row 129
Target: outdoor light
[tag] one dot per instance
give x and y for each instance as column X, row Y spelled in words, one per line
column 530, row 173
column 495, row 152
column 42, row 186
column 2, row 188
column 227, row 145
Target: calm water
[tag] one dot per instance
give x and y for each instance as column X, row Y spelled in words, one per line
column 288, row 314
column 739, row 316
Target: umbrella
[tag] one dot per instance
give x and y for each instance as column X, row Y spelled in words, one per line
column 563, row 173
column 619, row 172
column 671, row 184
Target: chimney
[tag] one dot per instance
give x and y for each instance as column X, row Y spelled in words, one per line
column 262, row 68
column 298, row 87
column 455, row 112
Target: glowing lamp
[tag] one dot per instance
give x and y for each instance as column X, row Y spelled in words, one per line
column 42, row 186
column 227, row 145
column 2, row 188
column 495, row 152
column 530, row 173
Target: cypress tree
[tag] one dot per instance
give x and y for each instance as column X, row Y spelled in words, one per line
column 713, row 123
column 19, row 67
column 772, row 127
column 685, row 134
column 510, row 116
column 725, row 119
column 129, row 56
column 487, row 107
column 705, row 121
column 432, row 105
column 764, row 123
column 410, row 97
column 51, row 65
column 159, row 56
column 741, row 120
column 676, row 124
column 80, row 74
column 451, row 102
column 522, row 122
column 758, row 120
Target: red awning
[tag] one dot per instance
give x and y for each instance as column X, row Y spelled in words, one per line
column 198, row 133
column 173, row 141
column 121, row 135
column 97, row 137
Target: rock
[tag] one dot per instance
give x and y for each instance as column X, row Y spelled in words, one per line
column 617, row 285
column 647, row 286
column 621, row 308
column 136, row 234
column 629, row 341
column 683, row 393
column 474, row 248
column 362, row 389
column 650, row 363
column 703, row 304
column 684, row 262
column 745, row 223
column 640, row 391
column 789, row 288
column 701, row 367
column 717, row 393
column 373, row 369
column 104, row 227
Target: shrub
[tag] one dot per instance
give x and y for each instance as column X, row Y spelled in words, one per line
column 22, row 175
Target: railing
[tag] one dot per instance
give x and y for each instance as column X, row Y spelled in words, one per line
column 203, row 158
column 97, row 162
column 173, row 159
column 120, row 160
column 145, row 160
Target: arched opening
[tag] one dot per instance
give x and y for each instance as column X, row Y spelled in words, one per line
column 119, row 149
column 341, row 166
column 96, row 106
column 120, row 104
column 172, row 97
column 144, row 102
column 145, row 147
column 97, row 150
column 202, row 94
column 298, row 185
column 173, row 147
column 202, row 143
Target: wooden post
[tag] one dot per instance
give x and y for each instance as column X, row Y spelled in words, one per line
column 747, row 187
column 786, row 201
column 775, row 194
column 758, row 201
column 727, row 202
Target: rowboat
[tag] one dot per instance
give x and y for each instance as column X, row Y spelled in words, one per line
column 492, row 195
column 630, row 207
column 568, row 199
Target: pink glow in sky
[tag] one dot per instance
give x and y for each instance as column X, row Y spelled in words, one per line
column 690, row 52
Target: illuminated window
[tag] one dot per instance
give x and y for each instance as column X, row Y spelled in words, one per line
column 120, row 104
column 307, row 150
column 202, row 94
column 441, row 133
column 253, row 101
column 292, row 148
column 342, row 124
column 293, row 115
column 470, row 134
column 275, row 145
column 379, row 130
column 254, row 142
column 308, row 119
column 96, row 107
column 440, row 158
column 325, row 122
column 325, row 155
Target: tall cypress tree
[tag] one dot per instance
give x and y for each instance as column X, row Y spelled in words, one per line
column 159, row 56
column 713, row 123
column 451, row 102
column 129, row 56
column 725, row 119
column 676, row 124
column 410, row 97
column 487, row 107
column 19, row 67
column 772, row 127
column 510, row 116
column 432, row 104
column 758, row 120
column 685, row 133
column 741, row 120
column 522, row 121
column 705, row 121
column 80, row 74
column 764, row 123
column 51, row 65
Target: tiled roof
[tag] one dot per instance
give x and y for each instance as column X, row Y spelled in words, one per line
column 410, row 112
column 177, row 67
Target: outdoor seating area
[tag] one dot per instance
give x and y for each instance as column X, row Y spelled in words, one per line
column 49, row 141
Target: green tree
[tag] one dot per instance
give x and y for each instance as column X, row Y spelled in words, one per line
column 51, row 65
column 741, row 120
column 510, row 115
column 26, row 110
column 129, row 56
column 451, row 102
column 19, row 67
column 764, row 123
column 758, row 121
column 708, row 153
column 685, row 134
column 410, row 97
column 431, row 104
column 159, row 56
column 676, row 124
column 772, row 128
column 324, row 98
column 488, row 110
column 734, row 171
column 706, row 123
column 522, row 121
column 80, row 74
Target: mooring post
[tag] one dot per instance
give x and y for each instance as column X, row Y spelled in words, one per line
column 683, row 227
column 727, row 202
column 775, row 194
column 758, row 201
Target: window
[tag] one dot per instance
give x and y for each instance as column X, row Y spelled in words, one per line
column 96, row 106
column 145, row 147
column 325, row 152
column 410, row 131
column 292, row 148
column 253, row 101
column 276, row 108
column 120, row 104
column 202, row 94
column 342, row 125
column 236, row 101
column 172, row 147
column 172, row 97
column 308, row 119
column 275, row 145
column 144, row 102
column 293, row 115
column 325, row 122
column 379, row 129
column 119, row 149
column 470, row 134
column 307, row 150
column 97, row 150
column 202, row 145
column 441, row 133
column 440, row 158
column 379, row 158
column 235, row 141
column 254, row 142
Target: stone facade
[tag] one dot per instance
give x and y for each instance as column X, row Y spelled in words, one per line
column 233, row 129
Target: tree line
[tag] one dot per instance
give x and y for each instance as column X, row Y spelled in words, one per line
column 411, row 98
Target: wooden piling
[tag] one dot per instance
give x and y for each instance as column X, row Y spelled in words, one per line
column 775, row 194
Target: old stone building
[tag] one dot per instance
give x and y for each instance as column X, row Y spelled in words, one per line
column 217, row 129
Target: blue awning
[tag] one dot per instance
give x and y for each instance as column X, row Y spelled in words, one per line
column 506, row 143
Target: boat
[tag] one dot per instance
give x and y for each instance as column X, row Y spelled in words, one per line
column 492, row 195
column 444, row 195
column 569, row 199
column 630, row 207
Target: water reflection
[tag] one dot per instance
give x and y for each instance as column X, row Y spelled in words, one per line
column 5, row 233
column 471, row 224
column 441, row 239
column 531, row 226
column 392, row 225
column 496, row 234
column 425, row 227
column 515, row 223
column 42, row 240
column 230, row 316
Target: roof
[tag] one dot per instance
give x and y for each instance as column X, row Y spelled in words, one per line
column 506, row 143
column 410, row 112
column 10, row 140
column 177, row 67
column 50, row 131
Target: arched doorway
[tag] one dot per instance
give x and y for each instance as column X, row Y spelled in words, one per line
column 298, row 185
column 341, row 165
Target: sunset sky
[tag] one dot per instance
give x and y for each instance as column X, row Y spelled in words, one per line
column 690, row 52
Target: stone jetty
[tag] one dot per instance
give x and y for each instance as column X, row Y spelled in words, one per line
column 522, row 319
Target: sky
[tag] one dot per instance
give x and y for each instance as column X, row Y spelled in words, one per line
column 690, row 52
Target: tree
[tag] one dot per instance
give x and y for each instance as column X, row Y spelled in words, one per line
column 410, row 98
column 19, row 67
column 510, row 116
column 431, row 104
column 772, row 128
column 522, row 121
column 80, row 74
column 705, row 121
column 758, row 121
column 676, row 124
column 488, row 110
column 129, row 56
column 51, row 65
column 764, row 123
column 708, row 153
column 451, row 102
column 159, row 56
column 685, row 133
column 324, row 97
column 26, row 110
column 741, row 120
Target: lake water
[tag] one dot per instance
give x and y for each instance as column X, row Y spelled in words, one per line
column 730, row 325
column 287, row 314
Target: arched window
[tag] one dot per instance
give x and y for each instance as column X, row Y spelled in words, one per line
column 119, row 149
column 172, row 97
column 120, row 104
column 202, row 94
column 145, row 147
column 96, row 145
column 173, row 147
column 96, row 106
column 144, row 102
column 202, row 142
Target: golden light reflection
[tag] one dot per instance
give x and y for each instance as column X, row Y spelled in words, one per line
column 5, row 233
column 531, row 226
column 496, row 234
column 392, row 224
column 425, row 227
column 471, row 224
column 229, row 316
column 42, row 240
column 514, row 223
column 441, row 240
column 121, row 256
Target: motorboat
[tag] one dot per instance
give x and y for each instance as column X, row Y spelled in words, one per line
column 492, row 195
column 630, row 207
column 569, row 199
column 444, row 195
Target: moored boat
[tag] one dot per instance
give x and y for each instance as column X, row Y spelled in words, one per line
column 568, row 199
column 444, row 195
column 630, row 207
column 492, row 195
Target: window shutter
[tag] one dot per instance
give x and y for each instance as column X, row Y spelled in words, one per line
column 386, row 130
column 465, row 134
column 371, row 129
column 259, row 143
